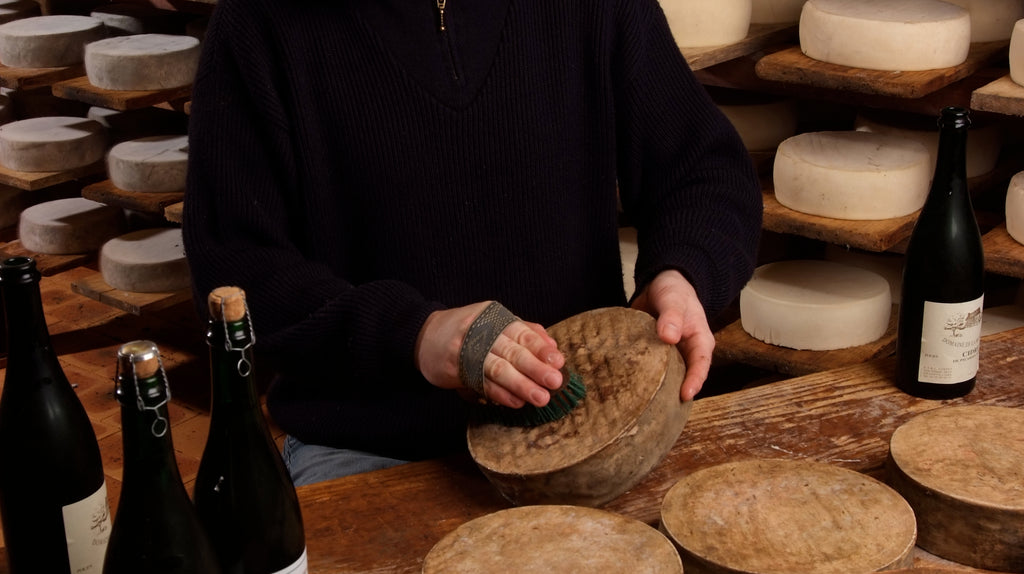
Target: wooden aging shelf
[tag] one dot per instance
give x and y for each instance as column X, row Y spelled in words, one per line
column 79, row 89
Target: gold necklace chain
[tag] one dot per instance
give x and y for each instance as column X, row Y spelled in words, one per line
column 440, row 10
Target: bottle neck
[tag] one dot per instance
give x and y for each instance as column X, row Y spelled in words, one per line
column 951, row 161
column 231, row 365
column 28, row 338
column 146, row 428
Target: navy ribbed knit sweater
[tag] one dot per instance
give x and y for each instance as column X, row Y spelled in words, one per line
column 354, row 168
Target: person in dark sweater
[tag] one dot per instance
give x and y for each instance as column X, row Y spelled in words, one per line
column 375, row 173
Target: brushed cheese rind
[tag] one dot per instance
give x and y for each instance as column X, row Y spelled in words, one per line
column 146, row 261
column 142, row 62
column 151, row 164
column 778, row 516
column 69, row 226
column 630, row 418
column 51, row 143
column 554, row 540
column 1015, row 207
column 962, row 470
column 703, row 23
column 892, row 35
column 50, row 41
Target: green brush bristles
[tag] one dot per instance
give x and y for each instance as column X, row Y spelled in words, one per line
column 562, row 402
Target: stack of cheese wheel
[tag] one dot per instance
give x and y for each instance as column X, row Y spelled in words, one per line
column 18, row 9
column 149, row 164
column 146, row 261
column 630, row 418
column 1017, row 53
column 992, row 20
column 47, row 41
column 703, row 23
column 983, row 145
column 815, row 305
column 892, row 35
column 553, row 539
column 142, row 62
column 779, row 516
column 762, row 122
column 51, row 143
column 776, row 11
column 67, row 226
column 855, row 175
column 962, row 470
column 1015, row 207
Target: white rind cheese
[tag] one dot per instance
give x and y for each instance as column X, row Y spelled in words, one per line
column 149, row 164
column 47, row 41
column 852, row 175
column 702, row 23
column 69, row 226
column 1017, row 53
column 146, row 261
column 763, row 126
column 1015, row 208
column 815, row 305
column 776, row 11
column 992, row 20
column 51, row 143
column 142, row 62
column 893, row 35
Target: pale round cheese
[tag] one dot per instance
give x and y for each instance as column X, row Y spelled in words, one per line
column 553, row 539
column 893, row 35
column 815, row 305
column 149, row 164
column 51, row 41
column 776, row 11
column 68, row 226
column 51, row 143
column 146, row 261
column 142, row 62
column 1015, row 207
column 992, row 20
column 854, row 175
column 763, row 125
column 787, row 516
column 1017, row 53
column 961, row 468
column 703, row 23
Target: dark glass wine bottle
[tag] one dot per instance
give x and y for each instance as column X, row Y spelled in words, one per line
column 243, row 492
column 156, row 529
column 943, row 291
column 53, row 493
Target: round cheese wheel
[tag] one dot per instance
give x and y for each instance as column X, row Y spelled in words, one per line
column 630, row 418
column 776, row 11
column 51, row 143
column 815, row 305
column 149, row 164
column 855, row 175
column 992, row 20
column 787, row 516
column 1015, row 207
column 18, row 9
column 553, row 539
column 146, row 261
column 962, row 470
column 47, row 41
column 894, row 35
column 1017, row 53
column 702, row 23
column 67, row 226
column 142, row 62
column 763, row 125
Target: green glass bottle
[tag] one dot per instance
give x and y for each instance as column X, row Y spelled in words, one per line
column 53, row 493
column 243, row 492
column 156, row 529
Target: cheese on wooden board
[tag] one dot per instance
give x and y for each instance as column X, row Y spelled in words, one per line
column 894, row 35
column 992, row 20
column 18, row 9
column 142, row 62
column 1017, row 53
column 787, row 516
column 146, row 261
column 855, row 175
column 553, row 539
column 67, row 226
column 815, row 305
column 149, row 164
column 51, row 143
column 776, row 11
column 703, row 23
column 1015, row 207
column 630, row 418
column 961, row 468
column 50, row 41
column 763, row 125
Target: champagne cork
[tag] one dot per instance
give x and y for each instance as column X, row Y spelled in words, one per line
column 227, row 304
column 142, row 357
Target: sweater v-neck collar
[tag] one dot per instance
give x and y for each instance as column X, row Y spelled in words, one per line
column 451, row 64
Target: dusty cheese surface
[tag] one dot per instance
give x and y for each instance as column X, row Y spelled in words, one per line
column 49, row 41
column 51, row 143
column 146, row 261
column 703, row 23
column 67, row 226
column 149, row 164
column 142, row 62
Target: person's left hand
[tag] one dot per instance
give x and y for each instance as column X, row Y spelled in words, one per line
column 681, row 321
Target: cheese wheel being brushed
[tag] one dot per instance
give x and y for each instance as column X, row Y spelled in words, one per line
column 553, row 540
column 630, row 418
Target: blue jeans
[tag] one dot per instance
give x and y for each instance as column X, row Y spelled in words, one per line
column 309, row 463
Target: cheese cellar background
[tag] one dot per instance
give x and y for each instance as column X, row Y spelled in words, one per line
column 105, row 228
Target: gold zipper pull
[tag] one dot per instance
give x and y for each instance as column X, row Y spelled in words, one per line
column 440, row 10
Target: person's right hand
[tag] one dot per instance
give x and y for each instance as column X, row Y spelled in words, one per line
column 522, row 365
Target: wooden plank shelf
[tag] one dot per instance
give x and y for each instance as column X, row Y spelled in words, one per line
column 28, row 78
column 759, row 37
column 791, row 66
column 35, row 180
column 1002, row 96
column 79, row 89
column 94, row 287
column 1003, row 255
column 47, row 264
column 146, row 202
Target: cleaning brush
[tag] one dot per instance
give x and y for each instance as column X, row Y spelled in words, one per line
column 562, row 402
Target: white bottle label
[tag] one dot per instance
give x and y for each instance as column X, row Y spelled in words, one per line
column 950, row 341
column 299, row 567
column 87, row 529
